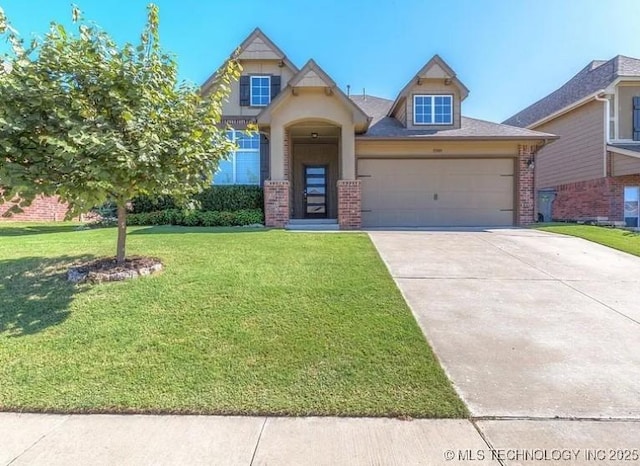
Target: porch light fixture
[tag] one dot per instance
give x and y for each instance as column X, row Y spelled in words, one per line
column 531, row 163
column 314, row 135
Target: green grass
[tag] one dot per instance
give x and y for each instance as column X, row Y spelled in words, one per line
column 622, row 240
column 240, row 321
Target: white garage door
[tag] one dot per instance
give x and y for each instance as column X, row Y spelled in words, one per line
column 428, row 192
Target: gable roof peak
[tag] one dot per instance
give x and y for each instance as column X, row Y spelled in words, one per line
column 257, row 33
column 437, row 59
column 308, row 67
column 236, row 54
column 448, row 71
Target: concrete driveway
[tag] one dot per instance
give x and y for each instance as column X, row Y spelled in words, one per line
column 525, row 323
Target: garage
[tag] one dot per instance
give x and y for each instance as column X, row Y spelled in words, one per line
column 437, row 192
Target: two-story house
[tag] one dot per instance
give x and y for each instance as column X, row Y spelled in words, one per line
column 593, row 171
column 358, row 160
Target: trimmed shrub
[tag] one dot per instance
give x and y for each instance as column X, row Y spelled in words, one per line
column 192, row 218
column 146, row 204
column 215, row 198
column 231, row 198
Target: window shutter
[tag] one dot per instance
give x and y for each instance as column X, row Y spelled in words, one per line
column 245, row 90
column 636, row 118
column 264, row 159
column 275, row 86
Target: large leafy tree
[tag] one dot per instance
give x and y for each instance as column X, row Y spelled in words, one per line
column 89, row 120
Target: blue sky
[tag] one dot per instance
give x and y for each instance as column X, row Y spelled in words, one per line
column 509, row 53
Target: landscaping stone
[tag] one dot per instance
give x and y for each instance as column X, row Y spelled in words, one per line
column 106, row 270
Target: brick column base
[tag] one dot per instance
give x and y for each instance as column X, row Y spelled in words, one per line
column 350, row 204
column 526, row 186
column 276, row 203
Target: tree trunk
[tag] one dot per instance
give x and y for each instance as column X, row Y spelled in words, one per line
column 122, row 232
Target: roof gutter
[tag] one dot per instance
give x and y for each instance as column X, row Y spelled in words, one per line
column 607, row 112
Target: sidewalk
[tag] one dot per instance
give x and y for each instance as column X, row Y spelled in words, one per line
column 40, row 439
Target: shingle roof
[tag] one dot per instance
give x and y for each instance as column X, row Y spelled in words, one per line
column 383, row 126
column 592, row 78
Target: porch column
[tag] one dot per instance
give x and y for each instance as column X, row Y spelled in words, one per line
column 276, row 188
column 347, row 153
column 277, row 146
column 349, row 189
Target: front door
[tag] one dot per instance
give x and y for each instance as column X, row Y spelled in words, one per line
column 315, row 191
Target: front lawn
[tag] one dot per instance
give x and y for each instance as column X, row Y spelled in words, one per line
column 242, row 321
column 622, row 240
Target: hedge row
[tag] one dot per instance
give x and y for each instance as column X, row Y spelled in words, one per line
column 215, row 198
column 192, row 218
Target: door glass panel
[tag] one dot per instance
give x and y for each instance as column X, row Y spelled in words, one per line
column 315, row 190
column 631, row 205
column 316, row 209
column 315, row 180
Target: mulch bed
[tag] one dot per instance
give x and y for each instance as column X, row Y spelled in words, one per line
column 107, row 269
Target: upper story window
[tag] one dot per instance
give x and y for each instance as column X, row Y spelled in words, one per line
column 432, row 110
column 260, row 91
column 242, row 166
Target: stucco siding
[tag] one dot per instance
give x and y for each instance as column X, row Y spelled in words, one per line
column 625, row 110
column 232, row 106
column 624, row 165
column 579, row 153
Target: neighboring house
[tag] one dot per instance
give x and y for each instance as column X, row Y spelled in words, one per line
column 42, row 209
column 593, row 171
column 366, row 161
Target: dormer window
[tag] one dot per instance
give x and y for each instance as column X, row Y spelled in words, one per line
column 432, row 109
column 260, row 91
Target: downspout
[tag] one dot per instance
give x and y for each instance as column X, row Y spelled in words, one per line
column 607, row 110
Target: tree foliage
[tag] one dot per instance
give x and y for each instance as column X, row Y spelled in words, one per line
column 89, row 120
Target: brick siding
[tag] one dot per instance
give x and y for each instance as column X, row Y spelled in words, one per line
column 42, row 209
column 350, row 204
column 276, row 203
column 526, row 186
column 602, row 197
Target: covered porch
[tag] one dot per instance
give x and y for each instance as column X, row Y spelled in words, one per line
column 312, row 163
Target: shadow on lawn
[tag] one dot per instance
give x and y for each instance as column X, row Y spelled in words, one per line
column 173, row 230
column 34, row 229
column 35, row 293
